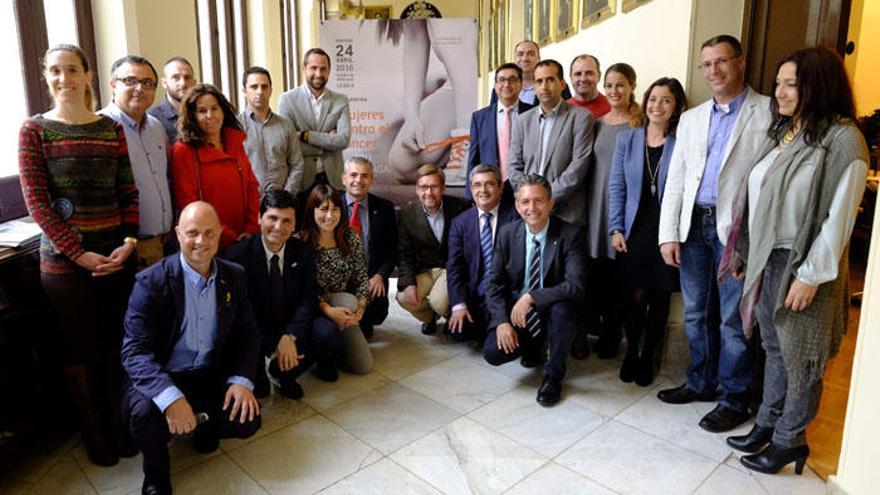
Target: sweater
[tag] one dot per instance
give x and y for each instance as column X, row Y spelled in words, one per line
column 79, row 188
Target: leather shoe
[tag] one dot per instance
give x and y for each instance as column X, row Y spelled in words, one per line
column 326, row 370
column 430, row 328
column 723, row 419
column 150, row 488
column 549, row 392
column 684, row 395
column 775, row 457
column 753, row 441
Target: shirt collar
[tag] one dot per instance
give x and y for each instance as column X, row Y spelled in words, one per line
column 350, row 201
column 194, row 278
column 540, row 236
column 493, row 211
column 120, row 116
column 435, row 215
column 256, row 118
column 513, row 108
column 312, row 96
column 731, row 106
column 553, row 112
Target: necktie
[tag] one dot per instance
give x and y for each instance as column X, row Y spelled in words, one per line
column 486, row 249
column 355, row 221
column 276, row 286
column 533, row 322
column 504, row 144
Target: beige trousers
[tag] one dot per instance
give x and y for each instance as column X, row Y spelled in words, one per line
column 433, row 298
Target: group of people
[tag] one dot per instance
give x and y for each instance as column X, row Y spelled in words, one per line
column 583, row 213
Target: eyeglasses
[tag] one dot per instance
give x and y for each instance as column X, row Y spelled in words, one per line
column 426, row 188
column 718, row 61
column 132, row 81
column 501, row 81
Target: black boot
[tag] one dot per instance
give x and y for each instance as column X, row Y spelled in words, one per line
column 774, row 458
column 629, row 367
column 753, row 441
column 635, row 323
column 96, row 432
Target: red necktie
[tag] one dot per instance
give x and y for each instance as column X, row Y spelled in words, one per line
column 355, row 221
column 504, row 144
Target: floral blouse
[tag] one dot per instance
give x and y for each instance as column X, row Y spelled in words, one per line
column 336, row 272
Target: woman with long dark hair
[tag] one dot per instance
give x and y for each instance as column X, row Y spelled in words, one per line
column 79, row 188
column 209, row 163
column 635, row 190
column 790, row 239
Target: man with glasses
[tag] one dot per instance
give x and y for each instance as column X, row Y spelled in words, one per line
column 422, row 248
column 491, row 127
column 134, row 81
column 714, row 144
column 177, row 78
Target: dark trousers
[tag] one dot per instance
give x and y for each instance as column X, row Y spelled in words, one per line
column 476, row 330
column 322, row 342
column 375, row 313
column 205, row 391
column 559, row 321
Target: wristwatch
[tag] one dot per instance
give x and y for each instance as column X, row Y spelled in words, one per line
column 617, row 231
column 132, row 240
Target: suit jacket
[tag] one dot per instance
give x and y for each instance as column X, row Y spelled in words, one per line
column 564, row 268
column 300, row 299
column 484, row 139
column 465, row 263
column 566, row 161
column 329, row 134
column 156, row 312
column 689, row 161
column 383, row 236
column 417, row 248
column 627, row 176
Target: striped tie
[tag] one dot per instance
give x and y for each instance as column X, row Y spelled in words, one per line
column 533, row 322
column 486, row 249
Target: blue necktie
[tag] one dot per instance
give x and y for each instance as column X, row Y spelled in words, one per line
column 486, row 249
column 533, row 322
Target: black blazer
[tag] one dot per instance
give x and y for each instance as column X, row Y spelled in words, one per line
column 564, row 268
column 417, row 248
column 382, row 251
column 155, row 314
column 484, row 139
column 300, row 299
column 465, row 261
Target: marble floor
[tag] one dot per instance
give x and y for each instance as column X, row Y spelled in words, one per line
column 434, row 418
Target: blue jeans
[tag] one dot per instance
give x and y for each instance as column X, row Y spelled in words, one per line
column 720, row 353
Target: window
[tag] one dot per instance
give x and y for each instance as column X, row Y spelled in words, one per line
column 223, row 48
column 290, row 48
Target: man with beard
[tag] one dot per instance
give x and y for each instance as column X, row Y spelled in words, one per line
column 177, row 79
column 322, row 122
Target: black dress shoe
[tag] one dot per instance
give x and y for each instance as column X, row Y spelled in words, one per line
column 753, row 441
column 150, row 488
column 326, row 370
column 723, row 419
column 774, row 458
column 684, row 395
column 430, row 328
column 549, row 392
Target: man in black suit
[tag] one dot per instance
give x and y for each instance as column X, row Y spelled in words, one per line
column 191, row 346
column 281, row 279
column 471, row 249
column 422, row 248
column 536, row 287
column 376, row 222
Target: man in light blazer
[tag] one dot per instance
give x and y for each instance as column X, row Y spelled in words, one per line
column 716, row 142
column 322, row 120
column 554, row 140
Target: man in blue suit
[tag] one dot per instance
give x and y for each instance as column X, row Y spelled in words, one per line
column 471, row 248
column 490, row 139
column 191, row 346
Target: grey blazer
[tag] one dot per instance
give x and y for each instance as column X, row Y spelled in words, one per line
column 566, row 161
column 328, row 135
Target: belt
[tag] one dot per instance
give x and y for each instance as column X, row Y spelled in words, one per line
column 705, row 210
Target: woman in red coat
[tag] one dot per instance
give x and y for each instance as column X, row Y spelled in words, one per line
column 209, row 163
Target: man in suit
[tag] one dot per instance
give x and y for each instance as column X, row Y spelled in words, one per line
column 322, row 121
column 375, row 220
column 554, row 140
column 535, row 288
column 191, row 346
column 422, row 248
column 471, row 249
column 714, row 146
column 491, row 128
column 281, row 280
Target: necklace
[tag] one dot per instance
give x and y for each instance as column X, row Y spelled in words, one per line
column 652, row 171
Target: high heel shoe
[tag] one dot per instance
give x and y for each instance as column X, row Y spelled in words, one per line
column 753, row 441
column 774, row 458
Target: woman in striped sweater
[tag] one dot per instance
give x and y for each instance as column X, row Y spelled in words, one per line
column 78, row 186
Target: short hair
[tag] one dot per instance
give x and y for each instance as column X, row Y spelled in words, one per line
column 509, row 66
column 535, row 180
column 188, row 129
column 256, row 69
column 677, row 91
column 824, row 94
column 134, row 60
column 83, row 59
column 361, row 160
column 537, row 48
column 178, row 59
column 485, row 168
column 430, row 169
column 552, row 63
column 584, row 56
column 315, row 51
column 724, row 38
column 278, row 198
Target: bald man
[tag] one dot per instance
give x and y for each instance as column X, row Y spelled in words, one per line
column 190, row 349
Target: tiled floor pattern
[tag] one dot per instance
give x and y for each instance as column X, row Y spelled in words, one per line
column 433, row 418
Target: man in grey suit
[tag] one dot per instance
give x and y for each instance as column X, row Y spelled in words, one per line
column 554, row 140
column 322, row 121
column 715, row 143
